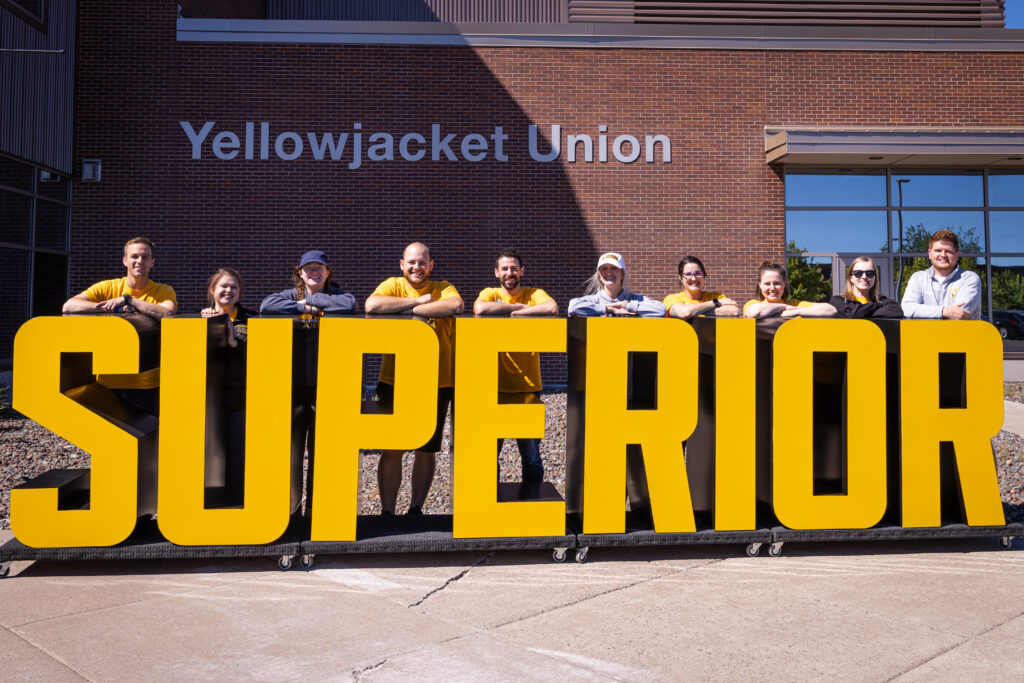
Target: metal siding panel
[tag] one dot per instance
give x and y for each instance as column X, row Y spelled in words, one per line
column 448, row 11
column 37, row 88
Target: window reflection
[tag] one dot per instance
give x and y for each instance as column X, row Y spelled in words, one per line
column 919, row 226
column 1006, row 189
column 810, row 277
column 14, row 270
column 837, row 231
column 805, row 189
column 921, row 189
column 15, row 217
column 1008, row 301
column 51, row 226
column 15, row 174
column 1006, row 230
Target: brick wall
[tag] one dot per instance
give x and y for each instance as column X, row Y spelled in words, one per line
column 717, row 199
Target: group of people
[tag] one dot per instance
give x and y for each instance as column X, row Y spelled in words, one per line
column 942, row 291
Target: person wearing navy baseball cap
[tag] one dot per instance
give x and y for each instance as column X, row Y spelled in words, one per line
column 312, row 295
column 313, row 292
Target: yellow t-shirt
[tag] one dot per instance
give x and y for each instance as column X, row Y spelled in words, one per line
column 517, row 372
column 154, row 293
column 444, row 328
column 684, row 298
column 791, row 302
column 861, row 299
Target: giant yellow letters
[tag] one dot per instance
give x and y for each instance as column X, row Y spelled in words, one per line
column 119, row 444
column 970, row 429
column 610, row 426
column 113, row 510
column 793, row 497
column 268, row 394
column 341, row 429
column 735, row 404
column 480, row 422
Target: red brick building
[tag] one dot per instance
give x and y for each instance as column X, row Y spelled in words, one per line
column 862, row 100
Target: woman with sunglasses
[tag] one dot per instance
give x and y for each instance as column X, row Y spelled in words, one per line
column 607, row 294
column 861, row 298
column 773, row 297
column 693, row 300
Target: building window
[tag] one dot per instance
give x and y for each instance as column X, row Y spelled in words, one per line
column 834, row 216
column 35, row 208
column 32, row 12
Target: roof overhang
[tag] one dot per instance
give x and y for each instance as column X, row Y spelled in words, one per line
column 895, row 147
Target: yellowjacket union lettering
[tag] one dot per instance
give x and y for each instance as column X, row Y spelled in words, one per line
column 810, row 424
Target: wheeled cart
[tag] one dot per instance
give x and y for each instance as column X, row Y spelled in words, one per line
column 375, row 534
column 1005, row 534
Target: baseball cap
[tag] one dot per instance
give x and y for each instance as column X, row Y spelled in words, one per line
column 612, row 259
column 313, row 256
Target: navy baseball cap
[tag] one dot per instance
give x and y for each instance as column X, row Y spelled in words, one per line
column 313, row 256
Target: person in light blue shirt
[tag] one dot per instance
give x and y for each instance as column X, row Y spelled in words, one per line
column 944, row 291
column 607, row 294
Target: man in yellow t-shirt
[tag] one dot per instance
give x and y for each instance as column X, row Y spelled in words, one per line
column 438, row 302
column 134, row 293
column 518, row 373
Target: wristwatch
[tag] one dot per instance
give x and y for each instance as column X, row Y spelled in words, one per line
column 717, row 303
column 127, row 300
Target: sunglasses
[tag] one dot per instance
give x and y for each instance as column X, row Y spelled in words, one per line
column 692, row 276
column 863, row 273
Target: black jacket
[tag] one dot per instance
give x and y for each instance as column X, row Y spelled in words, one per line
column 883, row 308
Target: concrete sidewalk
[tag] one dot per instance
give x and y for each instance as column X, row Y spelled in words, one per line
column 858, row 611
column 1013, row 417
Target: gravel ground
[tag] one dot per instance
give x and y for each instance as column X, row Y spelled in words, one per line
column 1013, row 391
column 27, row 450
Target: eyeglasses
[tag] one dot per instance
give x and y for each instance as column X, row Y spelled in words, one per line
column 692, row 276
column 863, row 273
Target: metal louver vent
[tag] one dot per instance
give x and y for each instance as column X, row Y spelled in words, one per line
column 920, row 13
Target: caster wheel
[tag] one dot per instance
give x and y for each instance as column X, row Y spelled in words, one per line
column 558, row 555
column 5, row 569
column 284, row 562
column 1005, row 542
column 581, row 554
column 775, row 549
column 306, row 561
column 753, row 549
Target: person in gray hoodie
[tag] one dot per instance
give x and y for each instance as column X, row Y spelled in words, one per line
column 608, row 295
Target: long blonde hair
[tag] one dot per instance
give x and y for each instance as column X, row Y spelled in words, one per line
column 593, row 284
column 851, row 293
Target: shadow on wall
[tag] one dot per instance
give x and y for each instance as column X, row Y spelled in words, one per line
column 472, row 189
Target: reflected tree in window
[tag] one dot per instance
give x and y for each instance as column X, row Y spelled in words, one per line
column 807, row 281
column 1007, row 289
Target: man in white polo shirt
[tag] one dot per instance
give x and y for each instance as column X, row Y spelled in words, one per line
column 945, row 290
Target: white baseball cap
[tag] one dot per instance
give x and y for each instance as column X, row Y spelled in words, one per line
column 612, row 259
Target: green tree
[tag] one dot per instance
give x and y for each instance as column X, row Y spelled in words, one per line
column 1007, row 289
column 807, row 281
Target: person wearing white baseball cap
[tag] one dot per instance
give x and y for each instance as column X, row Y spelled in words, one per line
column 608, row 295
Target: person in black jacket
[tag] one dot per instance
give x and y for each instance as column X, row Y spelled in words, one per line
column 223, row 292
column 312, row 295
column 861, row 298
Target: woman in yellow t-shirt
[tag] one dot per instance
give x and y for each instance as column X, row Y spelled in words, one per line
column 693, row 300
column 773, row 297
column 861, row 298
